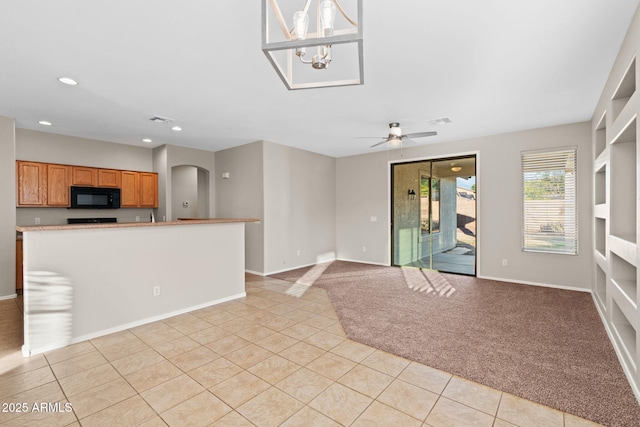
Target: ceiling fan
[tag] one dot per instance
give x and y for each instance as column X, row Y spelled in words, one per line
column 395, row 137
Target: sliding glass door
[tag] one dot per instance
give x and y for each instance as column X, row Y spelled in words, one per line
column 434, row 214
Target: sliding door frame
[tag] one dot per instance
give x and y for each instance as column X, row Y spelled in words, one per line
column 435, row 158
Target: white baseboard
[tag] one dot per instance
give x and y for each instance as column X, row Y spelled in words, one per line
column 364, row 262
column 543, row 285
column 12, row 296
column 32, row 351
column 293, row 268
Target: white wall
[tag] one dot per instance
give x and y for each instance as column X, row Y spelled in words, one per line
column 110, row 287
column 363, row 191
column 242, row 195
column 299, row 207
column 7, row 208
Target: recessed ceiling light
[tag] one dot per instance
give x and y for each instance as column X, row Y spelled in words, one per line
column 147, row 140
column 176, row 128
column 68, row 81
column 45, row 123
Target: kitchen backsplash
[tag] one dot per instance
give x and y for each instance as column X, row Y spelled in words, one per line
column 58, row 216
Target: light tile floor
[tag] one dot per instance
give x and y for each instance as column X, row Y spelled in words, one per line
column 277, row 357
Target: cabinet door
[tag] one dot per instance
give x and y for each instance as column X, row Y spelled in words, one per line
column 58, row 180
column 109, row 178
column 148, row 190
column 130, row 193
column 83, row 176
column 31, row 183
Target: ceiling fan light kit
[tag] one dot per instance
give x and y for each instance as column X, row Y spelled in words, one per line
column 329, row 55
column 395, row 137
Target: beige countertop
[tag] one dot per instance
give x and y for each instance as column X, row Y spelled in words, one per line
column 133, row 224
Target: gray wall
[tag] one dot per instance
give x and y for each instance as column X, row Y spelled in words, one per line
column 363, row 192
column 292, row 191
column 70, row 150
column 299, row 207
column 7, row 208
column 166, row 158
column 184, row 188
column 242, row 195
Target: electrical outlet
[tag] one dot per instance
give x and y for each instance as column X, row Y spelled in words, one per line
column 504, row 262
column 137, row 218
column 364, row 249
column 156, row 291
column 298, row 252
column 37, row 220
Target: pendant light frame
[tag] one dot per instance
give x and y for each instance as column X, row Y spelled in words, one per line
column 287, row 66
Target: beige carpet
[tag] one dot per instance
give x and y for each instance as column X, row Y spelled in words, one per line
column 545, row 345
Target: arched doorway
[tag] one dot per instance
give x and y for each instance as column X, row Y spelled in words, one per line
column 189, row 192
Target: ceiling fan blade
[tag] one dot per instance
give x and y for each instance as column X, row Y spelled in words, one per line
column 371, row 137
column 420, row 134
column 379, row 143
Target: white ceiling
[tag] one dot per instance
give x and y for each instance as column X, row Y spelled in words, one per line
column 492, row 66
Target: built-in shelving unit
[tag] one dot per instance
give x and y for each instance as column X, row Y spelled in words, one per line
column 616, row 172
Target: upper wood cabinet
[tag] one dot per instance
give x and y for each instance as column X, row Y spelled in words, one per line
column 148, row 190
column 139, row 190
column 58, row 182
column 84, row 176
column 46, row 184
column 130, row 193
column 31, row 182
column 109, row 178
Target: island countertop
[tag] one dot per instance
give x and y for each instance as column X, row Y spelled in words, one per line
column 133, row 224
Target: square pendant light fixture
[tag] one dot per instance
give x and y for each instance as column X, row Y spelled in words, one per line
column 314, row 43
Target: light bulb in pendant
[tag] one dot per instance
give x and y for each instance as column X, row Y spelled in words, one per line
column 327, row 16
column 300, row 24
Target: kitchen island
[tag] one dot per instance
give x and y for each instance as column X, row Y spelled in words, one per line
column 82, row 281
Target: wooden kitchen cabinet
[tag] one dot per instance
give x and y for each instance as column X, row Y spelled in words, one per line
column 139, row 190
column 48, row 184
column 31, row 183
column 109, row 178
column 58, row 183
column 84, row 177
column 130, row 190
column 148, row 190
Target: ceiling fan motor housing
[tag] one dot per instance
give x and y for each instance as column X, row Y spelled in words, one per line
column 395, row 131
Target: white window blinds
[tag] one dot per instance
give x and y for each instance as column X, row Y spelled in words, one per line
column 549, row 215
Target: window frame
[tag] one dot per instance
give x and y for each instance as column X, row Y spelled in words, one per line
column 551, row 224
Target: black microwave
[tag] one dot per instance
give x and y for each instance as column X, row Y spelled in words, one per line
column 95, row 198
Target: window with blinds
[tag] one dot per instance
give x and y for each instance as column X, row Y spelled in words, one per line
column 549, row 214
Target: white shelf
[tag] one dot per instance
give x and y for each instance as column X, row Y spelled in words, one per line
column 626, row 335
column 625, row 91
column 624, row 248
